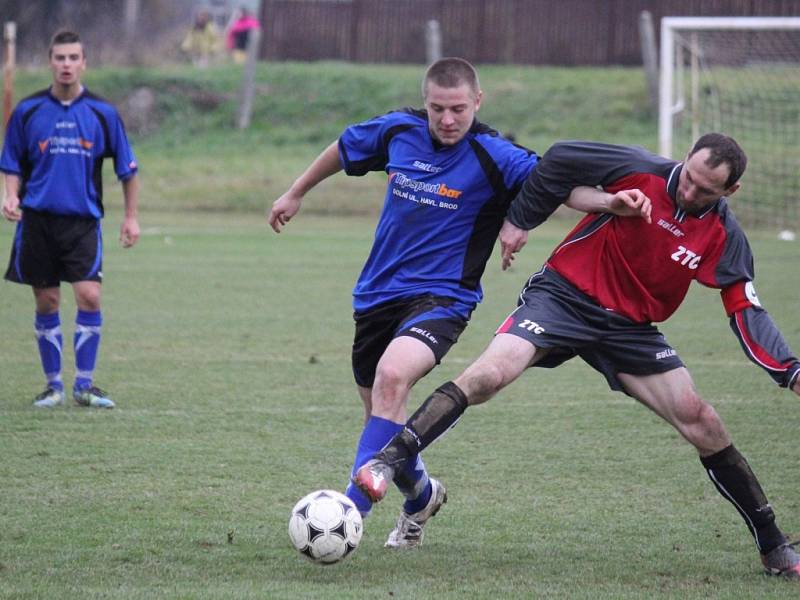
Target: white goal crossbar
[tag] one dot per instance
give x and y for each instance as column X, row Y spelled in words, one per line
column 670, row 93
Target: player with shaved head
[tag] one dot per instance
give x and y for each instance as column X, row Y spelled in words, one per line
column 450, row 180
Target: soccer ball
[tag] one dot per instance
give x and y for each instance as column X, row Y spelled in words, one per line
column 325, row 526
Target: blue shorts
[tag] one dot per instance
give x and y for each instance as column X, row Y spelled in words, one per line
column 434, row 320
column 553, row 314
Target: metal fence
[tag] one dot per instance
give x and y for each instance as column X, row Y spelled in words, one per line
column 562, row 32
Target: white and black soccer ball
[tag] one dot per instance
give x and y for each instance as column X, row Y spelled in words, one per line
column 325, row 526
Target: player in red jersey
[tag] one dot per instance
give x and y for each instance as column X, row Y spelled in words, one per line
column 599, row 293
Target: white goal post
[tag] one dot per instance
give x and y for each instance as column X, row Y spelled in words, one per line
column 739, row 76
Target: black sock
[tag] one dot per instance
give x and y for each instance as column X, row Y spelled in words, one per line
column 440, row 411
column 733, row 478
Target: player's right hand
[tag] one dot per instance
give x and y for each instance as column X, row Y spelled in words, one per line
column 512, row 239
column 283, row 209
column 11, row 209
column 631, row 203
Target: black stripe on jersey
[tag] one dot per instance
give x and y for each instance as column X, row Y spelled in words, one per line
column 488, row 222
column 97, row 171
column 379, row 162
column 591, row 227
column 28, row 113
column 26, row 167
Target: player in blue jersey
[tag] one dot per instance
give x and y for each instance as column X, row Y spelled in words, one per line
column 52, row 161
column 450, row 181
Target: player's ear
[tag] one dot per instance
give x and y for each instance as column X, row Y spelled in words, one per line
column 729, row 192
column 478, row 99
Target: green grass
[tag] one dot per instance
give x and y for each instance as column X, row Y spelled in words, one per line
column 558, row 487
column 227, row 349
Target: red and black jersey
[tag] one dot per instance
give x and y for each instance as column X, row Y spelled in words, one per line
column 642, row 270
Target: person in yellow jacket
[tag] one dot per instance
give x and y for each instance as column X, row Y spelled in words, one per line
column 203, row 42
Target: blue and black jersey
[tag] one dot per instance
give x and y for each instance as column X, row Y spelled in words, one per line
column 57, row 150
column 443, row 209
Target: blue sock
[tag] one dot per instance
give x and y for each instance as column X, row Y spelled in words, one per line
column 377, row 433
column 50, row 342
column 86, row 344
column 419, row 494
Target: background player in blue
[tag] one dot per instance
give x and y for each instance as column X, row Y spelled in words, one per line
column 52, row 160
column 598, row 295
column 450, row 181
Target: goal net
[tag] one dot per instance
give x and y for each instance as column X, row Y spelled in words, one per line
column 739, row 76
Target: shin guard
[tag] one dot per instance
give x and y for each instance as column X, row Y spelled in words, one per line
column 733, row 478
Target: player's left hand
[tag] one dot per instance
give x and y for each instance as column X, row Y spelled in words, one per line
column 631, row 203
column 283, row 209
column 796, row 386
column 512, row 239
column 129, row 232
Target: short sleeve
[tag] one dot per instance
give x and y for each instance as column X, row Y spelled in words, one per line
column 125, row 164
column 13, row 146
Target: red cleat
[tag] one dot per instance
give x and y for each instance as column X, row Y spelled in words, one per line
column 373, row 479
column 783, row 561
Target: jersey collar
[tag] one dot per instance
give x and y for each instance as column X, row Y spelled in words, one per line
column 439, row 147
column 672, row 189
column 75, row 100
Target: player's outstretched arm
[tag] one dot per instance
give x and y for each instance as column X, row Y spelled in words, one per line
column 625, row 203
column 287, row 206
column 129, row 230
column 11, row 200
column 759, row 336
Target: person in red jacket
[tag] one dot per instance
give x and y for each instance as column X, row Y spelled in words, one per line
column 598, row 295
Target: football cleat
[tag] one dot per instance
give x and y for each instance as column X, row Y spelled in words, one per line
column 92, row 396
column 783, row 561
column 373, row 479
column 49, row 398
column 408, row 532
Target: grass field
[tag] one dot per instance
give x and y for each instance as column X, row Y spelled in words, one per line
column 227, row 350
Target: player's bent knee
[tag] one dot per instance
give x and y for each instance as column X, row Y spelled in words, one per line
column 700, row 424
column 483, row 381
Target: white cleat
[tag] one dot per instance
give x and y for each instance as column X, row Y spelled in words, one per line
column 49, row 398
column 408, row 532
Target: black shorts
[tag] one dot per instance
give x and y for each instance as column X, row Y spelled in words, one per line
column 435, row 321
column 49, row 249
column 553, row 314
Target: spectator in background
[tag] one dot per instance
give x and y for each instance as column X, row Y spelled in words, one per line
column 203, row 42
column 239, row 34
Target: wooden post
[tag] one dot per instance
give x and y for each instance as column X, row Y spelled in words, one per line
column 247, row 90
column 647, row 37
column 10, row 44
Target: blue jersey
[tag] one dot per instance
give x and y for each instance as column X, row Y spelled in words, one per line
column 57, row 151
column 443, row 209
